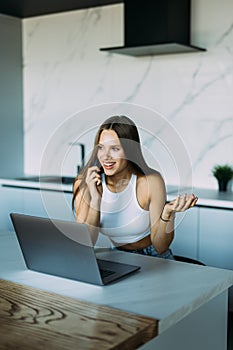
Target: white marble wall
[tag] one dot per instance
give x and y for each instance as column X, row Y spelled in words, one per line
column 182, row 103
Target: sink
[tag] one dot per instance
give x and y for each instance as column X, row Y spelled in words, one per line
column 66, row 180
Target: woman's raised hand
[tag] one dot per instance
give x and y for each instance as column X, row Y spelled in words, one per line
column 179, row 204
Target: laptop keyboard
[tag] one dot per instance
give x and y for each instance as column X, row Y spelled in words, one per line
column 105, row 273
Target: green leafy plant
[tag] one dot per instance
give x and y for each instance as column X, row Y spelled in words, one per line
column 223, row 172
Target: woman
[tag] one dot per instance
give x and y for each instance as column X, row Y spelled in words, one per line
column 119, row 195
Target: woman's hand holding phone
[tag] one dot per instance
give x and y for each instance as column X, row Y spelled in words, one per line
column 93, row 181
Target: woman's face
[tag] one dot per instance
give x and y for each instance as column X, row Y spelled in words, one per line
column 110, row 153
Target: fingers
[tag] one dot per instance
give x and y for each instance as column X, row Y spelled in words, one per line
column 194, row 202
column 94, row 168
column 184, row 202
column 98, row 182
column 93, row 176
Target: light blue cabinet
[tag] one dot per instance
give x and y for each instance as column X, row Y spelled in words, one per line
column 216, row 240
column 216, row 237
column 43, row 203
column 205, row 234
column 185, row 242
column 11, row 200
column 53, row 204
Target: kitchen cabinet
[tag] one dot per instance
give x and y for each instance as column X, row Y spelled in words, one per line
column 44, row 203
column 36, row 202
column 216, row 240
column 185, row 242
column 11, row 200
column 216, row 237
column 56, row 205
column 47, row 203
column 205, row 234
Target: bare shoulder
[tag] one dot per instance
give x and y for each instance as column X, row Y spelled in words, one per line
column 150, row 188
column 152, row 180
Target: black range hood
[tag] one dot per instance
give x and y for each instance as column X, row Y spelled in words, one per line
column 156, row 27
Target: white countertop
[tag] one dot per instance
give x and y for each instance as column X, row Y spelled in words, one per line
column 206, row 197
column 49, row 186
column 162, row 289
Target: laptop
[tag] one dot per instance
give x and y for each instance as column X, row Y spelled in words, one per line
column 64, row 249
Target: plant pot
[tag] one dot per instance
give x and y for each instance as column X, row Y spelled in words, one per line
column 222, row 185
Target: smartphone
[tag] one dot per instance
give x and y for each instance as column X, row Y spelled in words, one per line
column 97, row 163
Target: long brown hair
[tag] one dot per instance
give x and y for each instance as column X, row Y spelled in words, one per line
column 128, row 135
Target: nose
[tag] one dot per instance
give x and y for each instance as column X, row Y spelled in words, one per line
column 107, row 153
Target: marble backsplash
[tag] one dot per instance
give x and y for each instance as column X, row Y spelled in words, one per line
column 182, row 103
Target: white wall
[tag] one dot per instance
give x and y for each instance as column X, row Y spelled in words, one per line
column 65, row 74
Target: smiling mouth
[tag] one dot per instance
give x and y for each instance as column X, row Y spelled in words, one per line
column 108, row 165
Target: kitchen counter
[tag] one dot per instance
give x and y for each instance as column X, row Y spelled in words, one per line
column 206, row 197
column 178, row 295
column 37, row 185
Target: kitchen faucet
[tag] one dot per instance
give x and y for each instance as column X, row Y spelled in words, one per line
column 82, row 154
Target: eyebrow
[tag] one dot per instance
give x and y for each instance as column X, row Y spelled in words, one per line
column 116, row 145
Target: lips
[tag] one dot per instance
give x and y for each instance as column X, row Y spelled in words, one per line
column 108, row 165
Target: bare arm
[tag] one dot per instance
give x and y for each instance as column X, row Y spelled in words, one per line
column 162, row 233
column 162, row 214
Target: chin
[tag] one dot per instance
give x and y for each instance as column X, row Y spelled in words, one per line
column 109, row 172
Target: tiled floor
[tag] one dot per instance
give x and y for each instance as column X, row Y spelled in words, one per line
column 230, row 331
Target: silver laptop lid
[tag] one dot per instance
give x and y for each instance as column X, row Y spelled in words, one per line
column 48, row 246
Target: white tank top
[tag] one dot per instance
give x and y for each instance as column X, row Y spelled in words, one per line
column 122, row 219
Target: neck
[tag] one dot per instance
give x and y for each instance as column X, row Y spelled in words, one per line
column 119, row 181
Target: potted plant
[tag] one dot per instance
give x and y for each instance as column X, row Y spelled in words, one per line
column 223, row 174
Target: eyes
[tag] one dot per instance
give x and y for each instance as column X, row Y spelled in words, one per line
column 113, row 148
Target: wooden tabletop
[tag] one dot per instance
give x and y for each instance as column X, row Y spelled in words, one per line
column 34, row 319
